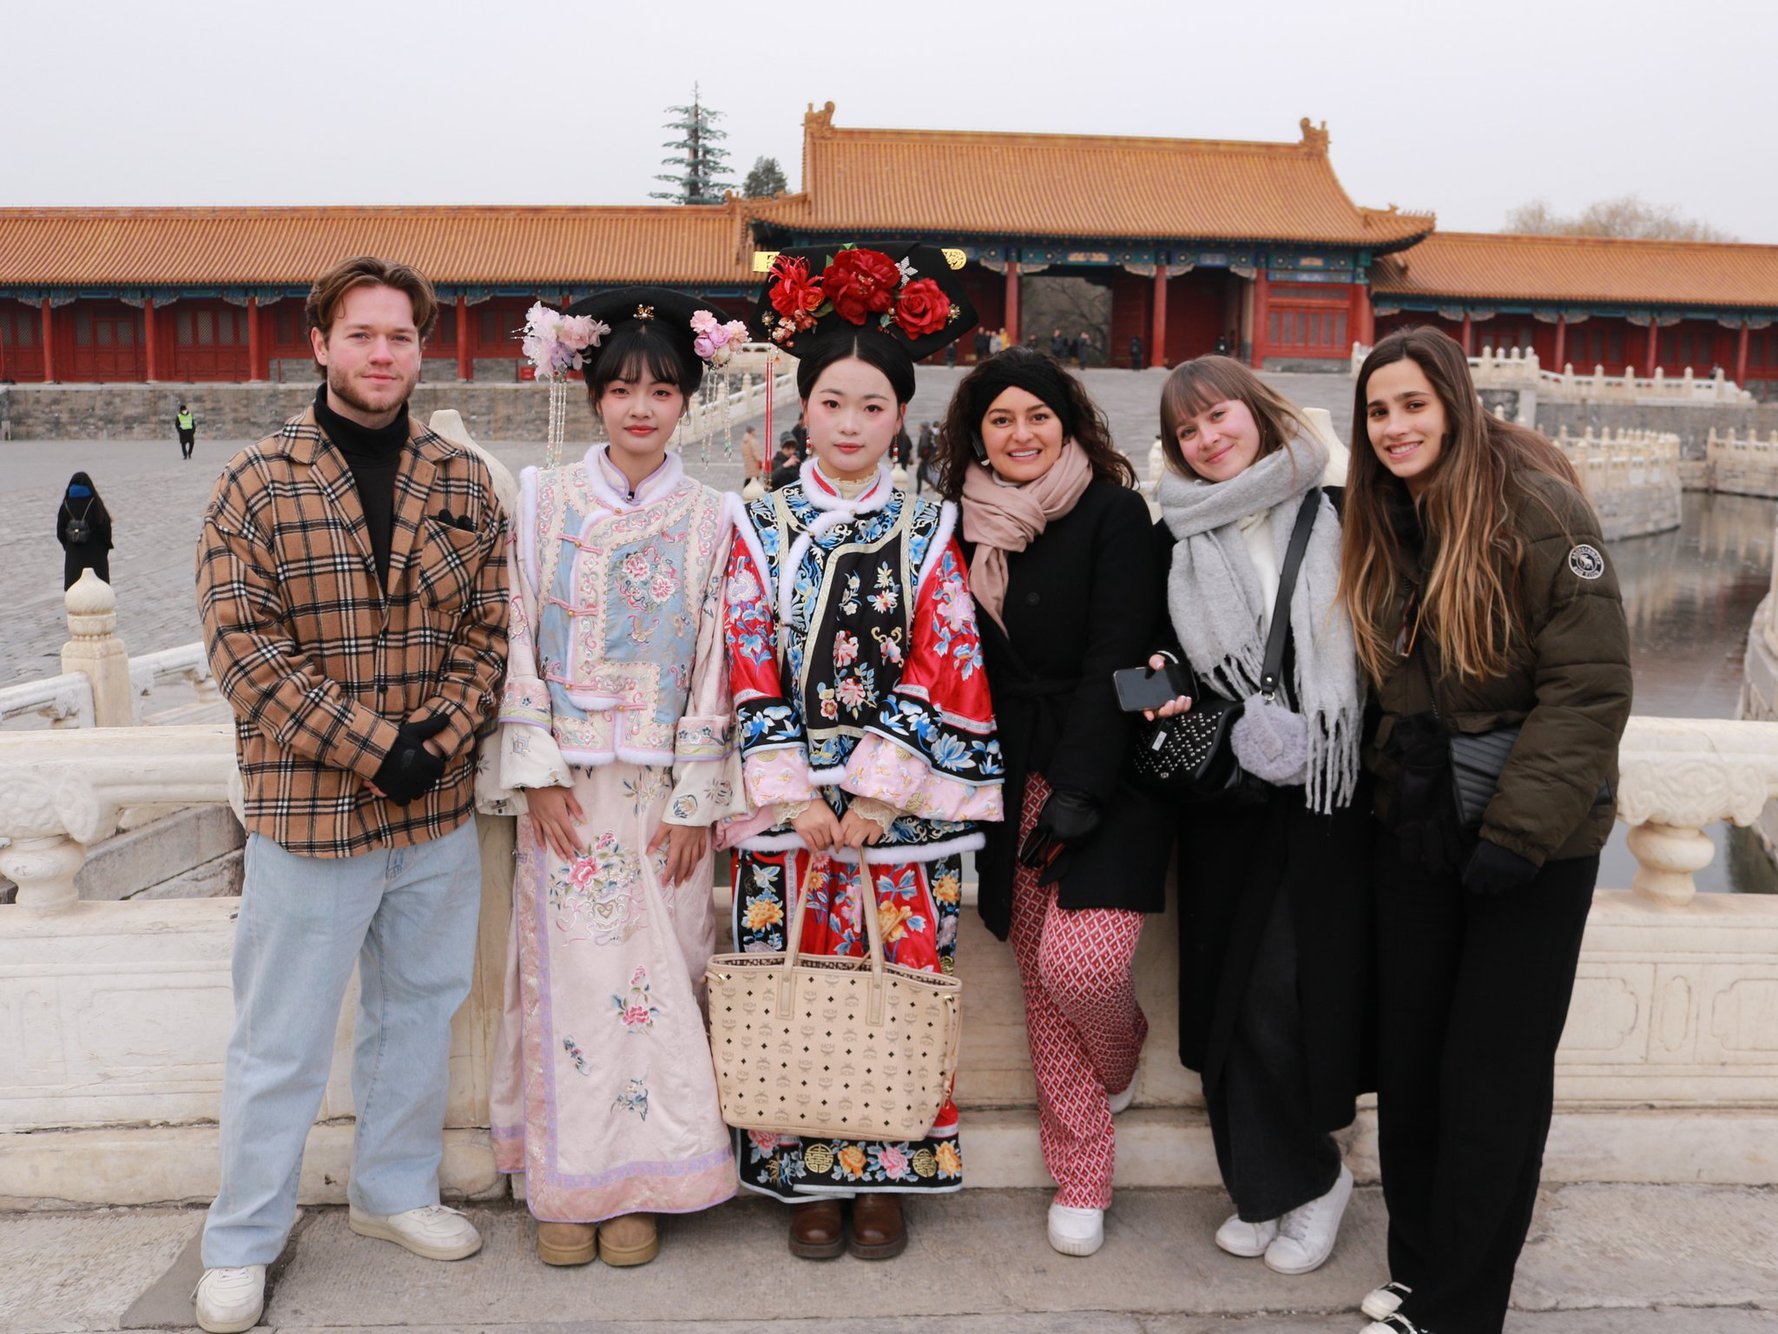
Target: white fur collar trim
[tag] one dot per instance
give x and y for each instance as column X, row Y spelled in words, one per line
column 603, row 480
column 824, row 495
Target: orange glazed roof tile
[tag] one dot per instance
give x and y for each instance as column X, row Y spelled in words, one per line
column 1581, row 269
column 965, row 183
column 484, row 246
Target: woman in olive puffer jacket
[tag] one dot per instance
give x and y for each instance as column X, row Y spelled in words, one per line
column 1481, row 598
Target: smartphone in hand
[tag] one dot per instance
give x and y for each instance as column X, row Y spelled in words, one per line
column 1139, row 688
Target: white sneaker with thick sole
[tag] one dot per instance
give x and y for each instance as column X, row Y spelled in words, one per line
column 1384, row 1301
column 1247, row 1240
column 228, row 1301
column 1307, row 1233
column 1120, row 1102
column 435, row 1231
column 1394, row 1324
column 1076, row 1231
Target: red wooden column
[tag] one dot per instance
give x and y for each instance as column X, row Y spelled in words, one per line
column 256, row 370
column 151, row 347
column 1468, row 339
column 1364, row 320
column 1262, row 316
column 1012, row 301
column 1157, row 337
column 49, row 344
column 1741, row 356
column 465, row 363
column 1654, row 349
column 1561, row 343
column 5, row 359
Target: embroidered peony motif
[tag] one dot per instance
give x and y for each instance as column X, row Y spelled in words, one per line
column 636, row 1009
column 647, row 579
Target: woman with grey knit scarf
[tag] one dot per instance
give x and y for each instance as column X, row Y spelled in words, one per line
column 1275, row 902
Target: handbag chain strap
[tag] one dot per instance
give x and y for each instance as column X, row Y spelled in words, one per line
column 1293, row 561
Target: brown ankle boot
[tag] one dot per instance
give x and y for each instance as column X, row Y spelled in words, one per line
column 817, row 1231
column 629, row 1239
column 878, row 1232
column 566, row 1243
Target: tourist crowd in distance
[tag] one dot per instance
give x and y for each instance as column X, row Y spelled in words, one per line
column 1360, row 705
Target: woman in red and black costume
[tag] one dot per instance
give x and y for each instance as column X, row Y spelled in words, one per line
column 862, row 709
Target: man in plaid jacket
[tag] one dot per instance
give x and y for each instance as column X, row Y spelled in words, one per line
column 350, row 575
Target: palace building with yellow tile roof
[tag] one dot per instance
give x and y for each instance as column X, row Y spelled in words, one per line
column 1252, row 246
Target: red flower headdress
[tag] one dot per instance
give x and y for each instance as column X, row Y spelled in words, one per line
column 860, row 286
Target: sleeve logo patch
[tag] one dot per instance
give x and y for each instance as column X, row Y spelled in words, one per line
column 1586, row 562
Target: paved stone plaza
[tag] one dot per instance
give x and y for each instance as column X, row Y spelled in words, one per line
column 156, row 500
column 1601, row 1260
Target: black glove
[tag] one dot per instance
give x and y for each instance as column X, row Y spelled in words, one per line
column 1068, row 816
column 1493, row 869
column 409, row 771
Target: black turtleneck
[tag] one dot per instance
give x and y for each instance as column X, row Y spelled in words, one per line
column 374, row 456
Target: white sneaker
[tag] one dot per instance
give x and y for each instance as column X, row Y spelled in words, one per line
column 1306, row 1234
column 1247, row 1240
column 435, row 1231
column 1076, row 1231
column 228, row 1301
column 1394, row 1324
column 1120, row 1102
column 1384, row 1301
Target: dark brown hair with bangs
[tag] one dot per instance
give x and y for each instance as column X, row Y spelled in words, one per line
column 1204, row 381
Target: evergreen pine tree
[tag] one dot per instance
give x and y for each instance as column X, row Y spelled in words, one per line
column 765, row 180
column 700, row 159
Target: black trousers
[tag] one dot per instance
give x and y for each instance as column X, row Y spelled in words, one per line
column 1474, row 994
column 1271, row 1155
column 186, row 440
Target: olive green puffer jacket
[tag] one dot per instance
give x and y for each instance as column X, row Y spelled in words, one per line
column 1567, row 682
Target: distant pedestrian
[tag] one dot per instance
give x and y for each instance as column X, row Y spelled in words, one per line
column 904, row 447
column 1084, row 348
column 753, row 459
column 951, row 356
column 187, row 426
column 789, row 463
column 83, row 527
column 981, row 345
column 1058, row 345
column 1135, row 352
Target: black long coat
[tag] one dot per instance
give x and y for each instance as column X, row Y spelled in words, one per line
column 1082, row 601
column 95, row 553
column 1233, row 862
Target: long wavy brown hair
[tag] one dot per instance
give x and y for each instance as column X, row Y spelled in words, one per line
column 1471, row 601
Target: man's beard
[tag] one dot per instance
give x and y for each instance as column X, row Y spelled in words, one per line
column 339, row 384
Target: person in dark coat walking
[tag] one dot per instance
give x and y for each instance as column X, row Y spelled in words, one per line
column 1274, row 884
column 1482, row 598
column 1062, row 568
column 83, row 527
column 1135, row 352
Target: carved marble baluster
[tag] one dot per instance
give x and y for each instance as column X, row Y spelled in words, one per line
column 1667, row 857
column 44, row 870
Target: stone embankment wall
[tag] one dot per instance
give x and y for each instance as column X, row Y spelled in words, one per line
column 1691, row 422
column 1743, row 466
column 250, row 411
column 1632, row 478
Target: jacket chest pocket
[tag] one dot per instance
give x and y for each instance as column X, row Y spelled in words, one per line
column 448, row 559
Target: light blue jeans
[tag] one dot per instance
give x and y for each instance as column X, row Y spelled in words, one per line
column 407, row 916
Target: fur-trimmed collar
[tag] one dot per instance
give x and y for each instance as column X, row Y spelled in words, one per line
column 606, row 481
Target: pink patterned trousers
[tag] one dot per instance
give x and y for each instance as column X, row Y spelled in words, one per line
column 1085, row 1027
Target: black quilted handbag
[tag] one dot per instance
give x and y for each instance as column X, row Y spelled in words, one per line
column 1476, row 761
column 1189, row 757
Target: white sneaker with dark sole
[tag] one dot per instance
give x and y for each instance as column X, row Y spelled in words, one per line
column 230, row 1300
column 1247, row 1240
column 434, row 1231
column 1306, row 1234
column 1394, row 1324
column 1385, row 1301
column 1076, row 1231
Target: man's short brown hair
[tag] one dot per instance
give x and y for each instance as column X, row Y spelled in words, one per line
column 331, row 288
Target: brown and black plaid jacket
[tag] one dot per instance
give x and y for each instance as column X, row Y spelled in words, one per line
column 320, row 664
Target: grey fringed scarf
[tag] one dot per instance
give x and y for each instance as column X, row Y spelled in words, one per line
column 1213, row 594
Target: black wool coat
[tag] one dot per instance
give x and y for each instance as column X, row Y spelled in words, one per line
column 1082, row 601
column 1233, row 863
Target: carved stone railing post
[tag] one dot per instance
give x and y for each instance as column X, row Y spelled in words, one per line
column 96, row 652
column 1677, row 775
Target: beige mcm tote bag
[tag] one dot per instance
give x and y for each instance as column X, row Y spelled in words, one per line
column 853, row 1048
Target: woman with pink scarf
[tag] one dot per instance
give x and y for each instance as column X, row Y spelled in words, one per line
column 1066, row 574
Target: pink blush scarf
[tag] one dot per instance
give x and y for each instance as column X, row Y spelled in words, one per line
column 998, row 518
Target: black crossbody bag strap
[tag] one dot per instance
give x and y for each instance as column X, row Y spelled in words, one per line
column 1293, row 561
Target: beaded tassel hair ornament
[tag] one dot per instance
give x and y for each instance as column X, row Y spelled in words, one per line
column 558, row 343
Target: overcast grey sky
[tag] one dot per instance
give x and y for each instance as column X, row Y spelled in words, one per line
column 1466, row 109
